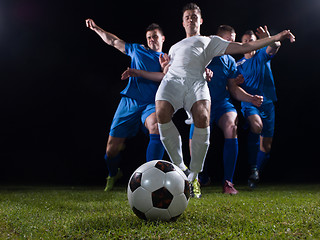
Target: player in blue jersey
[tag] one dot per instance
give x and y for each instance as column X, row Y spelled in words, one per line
column 137, row 105
column 258, row 79
column 223, row 113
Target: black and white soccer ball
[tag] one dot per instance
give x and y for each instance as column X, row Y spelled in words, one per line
column 158, row 190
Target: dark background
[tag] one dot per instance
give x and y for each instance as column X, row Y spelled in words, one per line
column 60, row 84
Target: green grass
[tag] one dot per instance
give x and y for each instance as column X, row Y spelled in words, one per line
column 269, row 212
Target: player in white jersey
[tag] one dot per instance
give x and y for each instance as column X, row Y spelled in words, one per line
column 185, row 87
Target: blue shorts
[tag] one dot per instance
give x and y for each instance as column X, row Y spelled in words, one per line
column 130, row 117
column 218, row 108
column 266, row 113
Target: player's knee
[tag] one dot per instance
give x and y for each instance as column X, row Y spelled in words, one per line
column 229, row 129
column 153, row 128
column 266, row 147
column 256, row 128
column 233, row 129
column 202, row 120
column 162, row 115
column 113, row 150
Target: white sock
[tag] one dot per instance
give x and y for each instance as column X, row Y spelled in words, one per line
column 171, row 140
column 199, row 148
column 192, row 176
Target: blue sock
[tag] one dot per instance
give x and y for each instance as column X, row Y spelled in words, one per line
column 253, row 148
column 112, row 164
column 262, row 159
column 155, row 148
column 230, row 155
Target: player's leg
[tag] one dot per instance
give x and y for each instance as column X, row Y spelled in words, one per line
column 197, row 101
column 112, row 159
column 114, row 146
column 268, row 119
column 169, row 134
column 155, row 149
column 201, row 135
column 200, row 142
column 203, row 176
column 264, row 152
column 228, row 124
column 125, row 124
column 256, row 126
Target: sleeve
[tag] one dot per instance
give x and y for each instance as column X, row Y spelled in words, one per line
column 217, row 46
column 130, row 48
column 264, row 55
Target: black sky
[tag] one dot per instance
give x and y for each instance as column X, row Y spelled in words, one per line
column 60, row 84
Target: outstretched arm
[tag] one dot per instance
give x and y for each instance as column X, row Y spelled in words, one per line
column 107, row 37
column 153, row 76
column 242, row 48
column 241, row 95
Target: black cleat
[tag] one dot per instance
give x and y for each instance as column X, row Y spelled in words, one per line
column 253, row 178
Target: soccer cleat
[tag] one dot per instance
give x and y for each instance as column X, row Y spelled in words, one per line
column 228, row 188
column 195, row 191
column 112, row 180
column 253, row 178
column 204, row 180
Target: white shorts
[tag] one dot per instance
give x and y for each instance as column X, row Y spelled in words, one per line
column 183, row 92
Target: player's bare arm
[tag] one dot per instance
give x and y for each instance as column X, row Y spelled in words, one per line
column 242, row 48
column 164, row 60
column 240, row 94
column 153, row 76
column 262, row 32
column 107, row 37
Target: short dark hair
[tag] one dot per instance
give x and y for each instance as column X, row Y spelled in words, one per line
column 154, row 26
column 248, row 32
column 191, row 6
column 225, row 28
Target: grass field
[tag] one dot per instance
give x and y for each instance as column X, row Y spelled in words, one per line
column 269, row 212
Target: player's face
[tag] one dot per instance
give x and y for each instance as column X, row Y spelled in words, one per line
column 191, row 22
column 229, row 36
column 248, row 38
column 155, row 40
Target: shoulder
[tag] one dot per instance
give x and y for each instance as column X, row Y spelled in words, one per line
column 229, row 59
column 217, row 39
column 132, row 47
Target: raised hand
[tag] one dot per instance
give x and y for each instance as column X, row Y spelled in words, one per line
column 90, row 24
column 262, row 32
column 284, row 35
column 209, row 74
column 164, row 60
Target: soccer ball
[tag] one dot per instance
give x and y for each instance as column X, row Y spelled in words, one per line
column 158, row 190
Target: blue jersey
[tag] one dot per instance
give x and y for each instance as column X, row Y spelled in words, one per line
column 142, row 58
column 223, row 68
column 258, row 78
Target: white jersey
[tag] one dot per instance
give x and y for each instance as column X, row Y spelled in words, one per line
column 190, row 56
